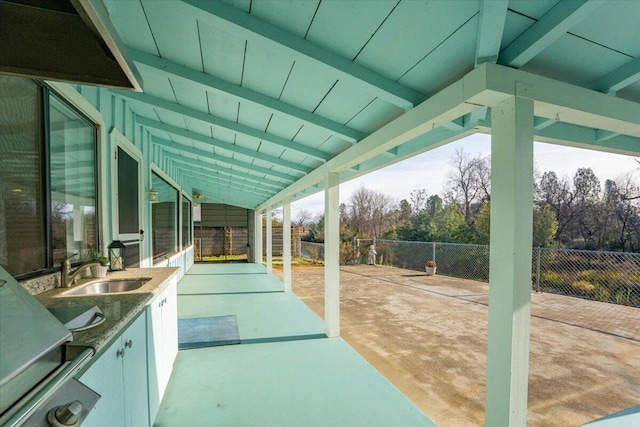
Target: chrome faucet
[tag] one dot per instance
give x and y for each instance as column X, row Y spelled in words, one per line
column 67, row 276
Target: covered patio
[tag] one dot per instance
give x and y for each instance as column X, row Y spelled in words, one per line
column 257, row 104
column 285, row 371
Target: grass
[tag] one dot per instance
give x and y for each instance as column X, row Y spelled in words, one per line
column 225, row 258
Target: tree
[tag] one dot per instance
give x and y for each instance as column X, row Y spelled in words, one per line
column 545, row 226
column 468, row 183
column 370, row 213
column 303, row 217
column 556, row 192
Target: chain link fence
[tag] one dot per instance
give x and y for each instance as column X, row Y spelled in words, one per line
column 612, row 277
column 596, row 275
column 312, row 251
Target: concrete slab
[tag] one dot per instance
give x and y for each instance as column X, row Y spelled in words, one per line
column 427, row 335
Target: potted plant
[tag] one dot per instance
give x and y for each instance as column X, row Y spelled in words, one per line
column 430, row 267
column 99, row 270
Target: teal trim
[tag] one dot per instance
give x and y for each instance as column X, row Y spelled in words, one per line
column 619, row 78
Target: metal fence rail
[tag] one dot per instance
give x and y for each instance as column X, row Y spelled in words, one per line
column 612, row 277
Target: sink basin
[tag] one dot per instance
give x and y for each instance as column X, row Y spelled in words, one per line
column 108, row 287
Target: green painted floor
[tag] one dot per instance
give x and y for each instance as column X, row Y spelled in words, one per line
column 284, row 372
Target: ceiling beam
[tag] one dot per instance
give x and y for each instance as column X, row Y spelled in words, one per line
column 220, row 144
column 220, row 159
column 487, row 85
column 240, row 93
column 254, row 28
column 176, row 108
column 220, row 180
column 227, row 197
column 245, row 189
column 493, row 15
column 619, row 78
column 195, row 179
column 221, row 169
column 554, row 24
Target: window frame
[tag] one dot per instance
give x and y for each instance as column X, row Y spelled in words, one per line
column 45, row 91
column 154, row 169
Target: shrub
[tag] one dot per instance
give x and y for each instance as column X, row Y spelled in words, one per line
column 601, row 293
column 583, row 287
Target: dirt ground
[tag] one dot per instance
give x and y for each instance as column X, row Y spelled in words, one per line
column 428, row 336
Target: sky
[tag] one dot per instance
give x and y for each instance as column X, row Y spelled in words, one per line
column 429, row 170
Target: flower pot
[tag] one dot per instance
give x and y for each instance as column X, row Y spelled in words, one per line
column 99, row 270
column 430, row 270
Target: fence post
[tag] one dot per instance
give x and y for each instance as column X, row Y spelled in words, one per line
column 433, row 251
column 538, row 269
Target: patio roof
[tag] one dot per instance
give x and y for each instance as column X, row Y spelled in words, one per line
column 251, row 102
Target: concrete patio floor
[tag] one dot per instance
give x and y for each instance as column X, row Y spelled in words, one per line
column 285, row 372
column 428, row 336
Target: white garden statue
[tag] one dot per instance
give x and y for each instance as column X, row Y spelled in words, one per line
column 371, row 256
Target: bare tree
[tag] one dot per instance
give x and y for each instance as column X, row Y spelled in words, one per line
column 469, row 183
column 303, row 217
column 370, row 213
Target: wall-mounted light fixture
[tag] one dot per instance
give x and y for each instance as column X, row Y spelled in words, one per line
column 152, row 194
column 197, row 195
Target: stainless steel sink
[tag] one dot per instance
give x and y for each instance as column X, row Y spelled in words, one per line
column 108, row 287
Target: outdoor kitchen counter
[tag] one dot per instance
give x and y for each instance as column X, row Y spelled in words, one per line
column 119, row 308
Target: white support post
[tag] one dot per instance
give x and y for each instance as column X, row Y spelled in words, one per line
column 286, row 244
column 257, row 239
column 269, row 242
column 510, row 262
column 331, row 256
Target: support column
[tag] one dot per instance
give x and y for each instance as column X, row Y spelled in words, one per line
column 331, row 256
column 286, row 244
column 510, row 262
column 257, row 238
column 269, row 242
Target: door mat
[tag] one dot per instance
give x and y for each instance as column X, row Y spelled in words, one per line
column 207, row 332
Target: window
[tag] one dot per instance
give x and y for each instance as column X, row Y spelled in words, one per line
column 47, row 179
column 164, row 218
column 186, row 222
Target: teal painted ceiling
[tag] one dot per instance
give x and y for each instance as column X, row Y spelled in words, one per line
column 244, row 98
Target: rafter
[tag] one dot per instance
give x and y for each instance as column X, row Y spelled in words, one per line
column 619, row 78
column 220, row 144
column 564, row 16
column 215, row 84
column 221, row 169
column 176, row 108
column 220, row 159
column 493, row 15
column 254, row 28
column 208, row 178
column 227, row 198
column 221, row 181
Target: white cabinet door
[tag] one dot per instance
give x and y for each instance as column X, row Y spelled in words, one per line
column 119, row 376
column 105, row 378
column 162, row 343
column 170, row 327
column 154, row 346
column 134, row 364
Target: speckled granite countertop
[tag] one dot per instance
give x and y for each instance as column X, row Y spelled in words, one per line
column 118, row 308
